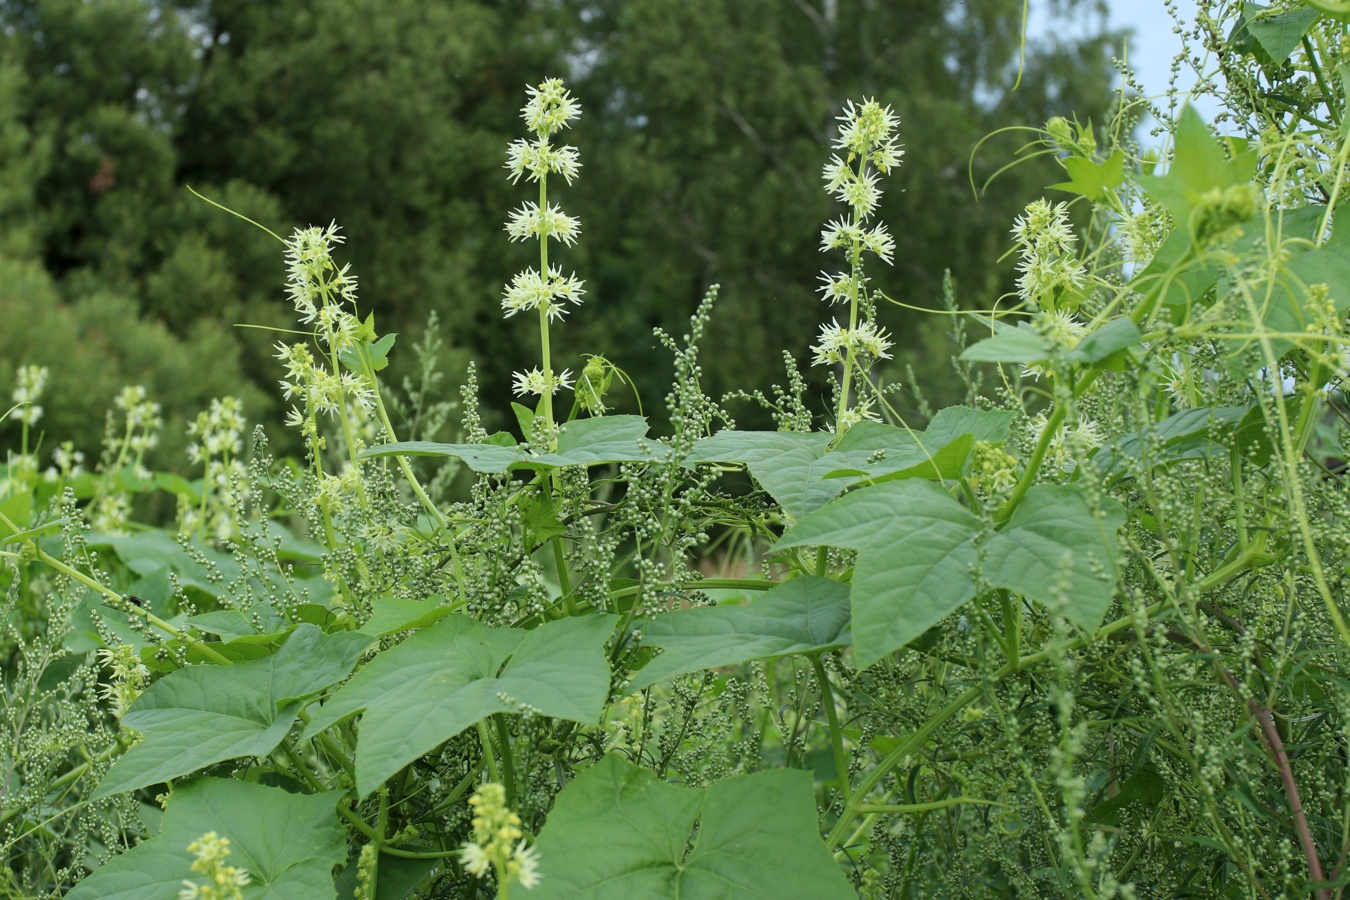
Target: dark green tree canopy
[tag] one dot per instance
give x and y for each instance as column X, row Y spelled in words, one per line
column 704, row 131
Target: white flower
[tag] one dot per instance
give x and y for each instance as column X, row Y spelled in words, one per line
column 550, row 107
column 865, row 127
column 525, row 865
column 861, row 193
column 29, row 382
column 539, row 159
column 836, row 341
column 531, row 221
column 532, row 381
column 529, row 290
column 836, row 288
column 840, row 235
column 837, row 173
column 880, row 242
column 474, row 859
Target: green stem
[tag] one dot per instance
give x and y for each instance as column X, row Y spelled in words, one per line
column 903, row 808
column 117, row 600
column 1012, row 627
column 508, row 763
column 836, row 733
column 547, row 406
column 564, row 579
column 489, row 756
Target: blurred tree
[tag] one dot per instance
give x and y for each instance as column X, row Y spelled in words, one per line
column 705, row 128
column 714, row 118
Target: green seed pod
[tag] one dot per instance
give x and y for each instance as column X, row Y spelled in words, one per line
column 593, row 384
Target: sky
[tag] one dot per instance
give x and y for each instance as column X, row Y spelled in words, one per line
column 1153, row 46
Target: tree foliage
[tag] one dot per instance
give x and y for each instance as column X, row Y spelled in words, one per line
column 389, row 117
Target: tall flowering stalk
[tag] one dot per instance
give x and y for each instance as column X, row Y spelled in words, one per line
column 867, row 134
column 548, row 290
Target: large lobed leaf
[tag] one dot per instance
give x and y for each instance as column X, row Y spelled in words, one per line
column 449, row 675
column 206, row 714
column 803, row 472
column 288, row 844
column 619, row 832
column 583, row 442
column 917, row 556
column 804, row 615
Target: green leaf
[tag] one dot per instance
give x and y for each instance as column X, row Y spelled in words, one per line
column 1144, row 786
column 1092, row 179
column 602, row 440
column 202, row 715
column 583, row 442
column 804, row 615
column 446, row 677
column 288, row 844
column 787, row 464
column 1009, row 345
column 915, row 556
column 395, row 614
column 989, row 425
column 524, row 417
column 377, row 351
column 1199, row 165
column 1329, row 265
column 1281, row 33
column 487, row 459
column 398, row 876
column 236, row 623
column 944, row 463
column 802, row 473
column 618, row 832
column 1056, row 543
column 1191, row 434
column 1181, row 280
column 539, row 517
column 1107, row 340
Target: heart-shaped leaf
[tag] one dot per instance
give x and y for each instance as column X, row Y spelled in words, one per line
column 287, row 843
column 442, row 680
column 202, row 715
column 915, row 559
column 618, row 832
column 804, row 615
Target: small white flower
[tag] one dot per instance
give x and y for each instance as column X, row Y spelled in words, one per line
column 865, row 127
column 880, row 242
column 525, row 863
column 861, row 193
column 532, row 381
column 837, row 173
column 474, row 859
column 531, row 221
column 836, row 288
column 538, row 158
column 550, row 107
column 840, row 235
column 529, row 291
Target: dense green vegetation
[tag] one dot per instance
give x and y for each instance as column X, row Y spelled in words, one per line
column 1082, row 632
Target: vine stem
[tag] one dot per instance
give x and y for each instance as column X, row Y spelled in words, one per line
column 836, row 734
column 119, row 602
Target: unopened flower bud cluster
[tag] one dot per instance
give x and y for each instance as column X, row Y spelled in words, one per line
column 498, row 843
column 217, row 443
column 222, row 882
